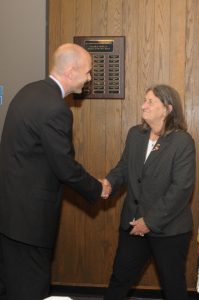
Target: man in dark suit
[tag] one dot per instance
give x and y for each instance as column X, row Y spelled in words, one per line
column 36, row 159
column 158, row 167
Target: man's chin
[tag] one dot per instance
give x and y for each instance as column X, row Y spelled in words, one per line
column 79, row 91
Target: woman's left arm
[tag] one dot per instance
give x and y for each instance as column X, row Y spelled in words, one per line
column 166, row 208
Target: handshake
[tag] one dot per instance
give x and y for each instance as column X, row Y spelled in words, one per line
column 106, row 188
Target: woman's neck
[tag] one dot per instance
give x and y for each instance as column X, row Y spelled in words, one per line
column 156, row 129
column 154, row 134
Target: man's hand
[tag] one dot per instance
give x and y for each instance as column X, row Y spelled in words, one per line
column 106, row 188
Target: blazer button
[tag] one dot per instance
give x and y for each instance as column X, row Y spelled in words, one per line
column 139, row 180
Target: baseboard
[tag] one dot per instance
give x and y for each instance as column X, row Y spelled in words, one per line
column 60, row 290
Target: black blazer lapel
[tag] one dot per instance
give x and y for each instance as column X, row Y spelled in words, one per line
column 160, row 145
column 141, row 148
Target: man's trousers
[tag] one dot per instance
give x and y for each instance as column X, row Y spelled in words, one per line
column 24, row 270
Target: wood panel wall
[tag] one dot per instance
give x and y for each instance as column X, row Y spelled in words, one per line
column 162, row 46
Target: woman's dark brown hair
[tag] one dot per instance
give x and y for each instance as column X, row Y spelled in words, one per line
column 169, row 96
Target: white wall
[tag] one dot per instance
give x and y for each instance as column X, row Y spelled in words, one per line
column 22, row 46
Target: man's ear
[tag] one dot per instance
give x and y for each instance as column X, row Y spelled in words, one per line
column 69, row 73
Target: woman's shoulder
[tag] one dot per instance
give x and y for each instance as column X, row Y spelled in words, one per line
column 182, row 134
column 182, row 137
column 137, row 130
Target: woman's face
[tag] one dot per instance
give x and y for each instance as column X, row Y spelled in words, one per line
column 153, row 110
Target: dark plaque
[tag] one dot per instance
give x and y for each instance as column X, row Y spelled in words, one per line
column 108, row 67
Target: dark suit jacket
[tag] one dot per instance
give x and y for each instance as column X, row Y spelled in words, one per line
column 36, row 159
column 159, row 189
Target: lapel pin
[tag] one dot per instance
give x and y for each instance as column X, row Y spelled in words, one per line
column 156, row 147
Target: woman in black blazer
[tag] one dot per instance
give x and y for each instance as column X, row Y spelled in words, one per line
column 158, row 167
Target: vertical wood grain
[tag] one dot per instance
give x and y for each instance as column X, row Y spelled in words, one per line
column 82, row 143
column 162, row 41
column 177, row 46
column 92, row 220
column 97, row 133
column 54, row 27
column 113, row 116
column 131, row 33
column 146, row 51
column 192, row 116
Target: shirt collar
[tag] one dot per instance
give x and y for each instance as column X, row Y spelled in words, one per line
column 59, row 84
